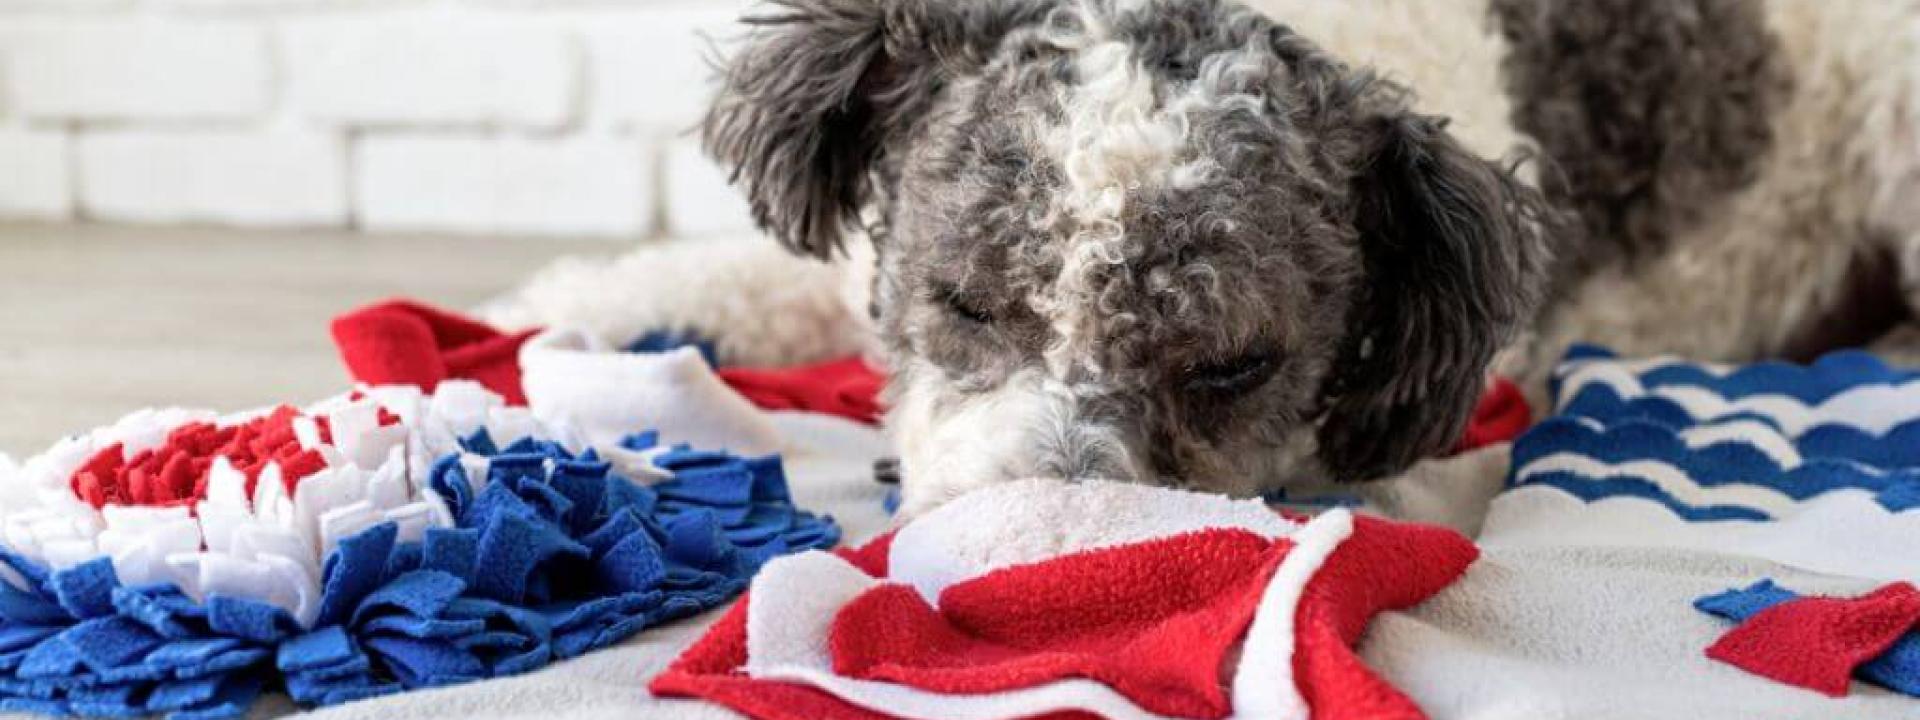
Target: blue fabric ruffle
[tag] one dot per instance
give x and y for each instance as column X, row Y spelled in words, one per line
column 1722, row 463
column 552, row 555
column 657, row 341
column 1827, row 376
column 1650, row 447
column 76, row 642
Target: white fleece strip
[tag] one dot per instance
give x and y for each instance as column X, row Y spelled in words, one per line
column 1028, row 521
column 571, row 379
column 269, row 546
column 1874, row 408
column 1642, row 366
column 1673, row 480
column 790, row 618
column 1759, row 435
column 1746, row 432
column 1263, row 685
column 1840, row 532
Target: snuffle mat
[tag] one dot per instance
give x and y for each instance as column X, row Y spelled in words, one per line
column 181, row 562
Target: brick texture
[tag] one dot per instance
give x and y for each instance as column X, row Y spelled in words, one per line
column 247, row 178
column 425, row 71
column 699, row 200
column 150, row 70
column 37, row 183
column 534, row 117
column 575, row 186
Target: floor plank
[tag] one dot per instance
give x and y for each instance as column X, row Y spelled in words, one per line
column 97, row 321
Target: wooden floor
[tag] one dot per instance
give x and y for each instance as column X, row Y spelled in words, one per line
column 98, row 321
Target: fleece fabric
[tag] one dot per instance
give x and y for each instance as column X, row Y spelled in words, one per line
column 403, row 342
column 1045, row 599
column 1818, row 642
column 571, row 379
column 1660, row 482
column 1499, row 418
column 828, row 467
column 408, row 541
column 847, row 387
column 406, row 342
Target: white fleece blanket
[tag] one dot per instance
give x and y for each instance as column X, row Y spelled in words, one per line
column 1660, row 482
column 1576, row 609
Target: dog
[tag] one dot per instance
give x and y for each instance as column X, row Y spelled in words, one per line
column 1207, row 245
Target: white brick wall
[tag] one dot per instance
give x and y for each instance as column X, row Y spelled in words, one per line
column 540, row 117
column 649, row 71
column 135, row 69
column 699, row 200
column 431, row 70
column 573, row 186
column 63, row 5
column 36, row 183
column 269, row 178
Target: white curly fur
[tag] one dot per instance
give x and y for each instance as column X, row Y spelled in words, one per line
column 762, row 305
column 1114, row 138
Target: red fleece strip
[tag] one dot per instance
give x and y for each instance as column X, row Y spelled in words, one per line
column 1817, row 642
column 175, row 473
column 1383, row 566
column 1500, row 417
column 1121, row 616
column 847, row 387
column 402, row 342
column 1004, row 629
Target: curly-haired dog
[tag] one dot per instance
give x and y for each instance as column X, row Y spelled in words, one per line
column 1192, row 242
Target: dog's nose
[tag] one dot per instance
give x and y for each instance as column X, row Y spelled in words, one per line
column 1084, row 450
column 1086, row 466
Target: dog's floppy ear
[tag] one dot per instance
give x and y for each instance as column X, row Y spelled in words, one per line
column 806, row 106
column 1454, row 262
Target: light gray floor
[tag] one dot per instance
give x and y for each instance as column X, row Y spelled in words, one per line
column 99, row 321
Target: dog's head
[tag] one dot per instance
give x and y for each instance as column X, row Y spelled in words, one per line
column 1166, row 241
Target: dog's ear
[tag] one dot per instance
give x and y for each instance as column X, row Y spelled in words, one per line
column 1454, row 253
column 806, row 106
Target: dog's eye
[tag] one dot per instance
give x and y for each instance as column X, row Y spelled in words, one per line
column 1175, row 64
column 1237, row 375
column 966, row 309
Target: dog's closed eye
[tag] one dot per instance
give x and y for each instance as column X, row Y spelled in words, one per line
column 1232, row 376
column 966, row 308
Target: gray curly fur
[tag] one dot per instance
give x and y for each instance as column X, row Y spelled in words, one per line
column 1322, row 296
column 802, row 112
column 1651, row 111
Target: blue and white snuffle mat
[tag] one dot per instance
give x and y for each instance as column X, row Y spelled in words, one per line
column 490, row 559
column 1815, row 466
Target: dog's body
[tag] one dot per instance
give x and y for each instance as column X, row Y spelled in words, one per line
column 1745, row 173
column 1180, row 241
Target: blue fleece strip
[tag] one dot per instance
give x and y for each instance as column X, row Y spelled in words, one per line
column 1597, row 423
column 663, row 340
column 557, row 556
column 1897, row 669
column 1829, row 375
column 1719, row 464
